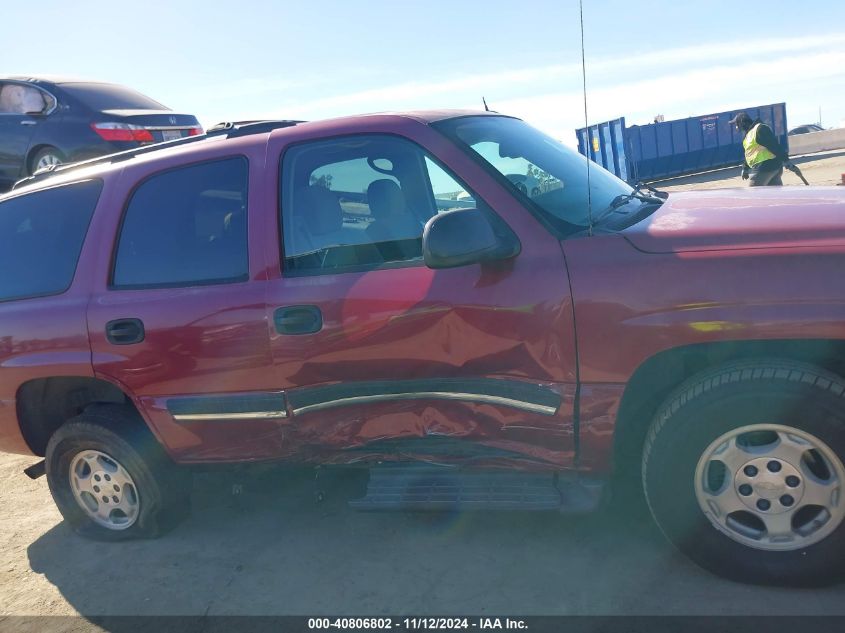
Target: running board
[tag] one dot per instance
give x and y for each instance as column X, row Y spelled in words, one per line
column 432, row 488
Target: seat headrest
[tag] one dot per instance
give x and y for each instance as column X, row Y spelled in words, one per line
column 320, row 209
column 385, row 199
column 213, row 216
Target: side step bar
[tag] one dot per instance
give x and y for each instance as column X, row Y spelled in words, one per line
column 424, row 487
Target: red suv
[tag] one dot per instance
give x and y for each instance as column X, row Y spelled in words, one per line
column 377, row 291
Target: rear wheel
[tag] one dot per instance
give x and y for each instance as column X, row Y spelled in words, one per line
column 111, row 480
column 743, row 471
column 44, row 158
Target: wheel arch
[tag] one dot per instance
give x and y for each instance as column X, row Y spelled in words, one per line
column 659, row 375
column 45, row 404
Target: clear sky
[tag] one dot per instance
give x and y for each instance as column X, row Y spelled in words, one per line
column 224, row 60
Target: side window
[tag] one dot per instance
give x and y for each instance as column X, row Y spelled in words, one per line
column 361, row 202
column 17, row 99
column 41, row 236
column 186, row 227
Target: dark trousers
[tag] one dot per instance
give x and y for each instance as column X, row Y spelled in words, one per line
column 766, row 177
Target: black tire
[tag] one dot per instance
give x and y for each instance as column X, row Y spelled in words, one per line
column 40, row 154
column 712, row 404
column 163, row 488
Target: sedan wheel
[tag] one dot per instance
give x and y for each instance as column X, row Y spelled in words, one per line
column 46, row 158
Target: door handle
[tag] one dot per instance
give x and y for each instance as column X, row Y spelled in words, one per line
column 28, row 122
column 125, row 331
column 298, row 320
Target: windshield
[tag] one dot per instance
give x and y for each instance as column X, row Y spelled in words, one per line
column 551, row 175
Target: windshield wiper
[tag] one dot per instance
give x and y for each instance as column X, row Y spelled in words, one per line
column 657, row 193
column 655, row 197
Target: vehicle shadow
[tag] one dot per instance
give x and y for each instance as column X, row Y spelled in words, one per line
column 273, row 550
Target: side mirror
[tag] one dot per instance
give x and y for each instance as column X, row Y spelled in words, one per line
column 467, row 236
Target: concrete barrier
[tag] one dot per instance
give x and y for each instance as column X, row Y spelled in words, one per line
column 816, row 142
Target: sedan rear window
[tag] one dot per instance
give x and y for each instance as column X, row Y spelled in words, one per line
column 41, row 236
column 110, row 97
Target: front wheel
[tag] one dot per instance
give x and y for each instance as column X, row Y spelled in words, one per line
column 110, row 479
column 743, row 471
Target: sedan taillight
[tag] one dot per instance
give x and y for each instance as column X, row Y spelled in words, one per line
column 195, row 131
column 122, row 132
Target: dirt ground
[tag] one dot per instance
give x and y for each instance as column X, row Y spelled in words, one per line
column 275, row 550
column 824, row 168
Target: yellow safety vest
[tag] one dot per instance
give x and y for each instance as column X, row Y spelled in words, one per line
column 754, row 152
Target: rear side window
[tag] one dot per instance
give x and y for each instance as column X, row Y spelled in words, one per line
column 41, row 236
column 186, row 227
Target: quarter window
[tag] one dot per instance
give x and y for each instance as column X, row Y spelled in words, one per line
column 41, row 236
column 361, row 202
column 186, row 227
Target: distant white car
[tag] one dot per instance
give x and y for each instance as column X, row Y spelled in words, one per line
column 805, row 129
column 528, row 185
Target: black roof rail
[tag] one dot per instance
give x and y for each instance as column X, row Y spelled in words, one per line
column 231, row 129
column 244, row 128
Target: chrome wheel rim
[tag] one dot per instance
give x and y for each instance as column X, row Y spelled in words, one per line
column 47, row 161
column 104, row 490
column 771, row 487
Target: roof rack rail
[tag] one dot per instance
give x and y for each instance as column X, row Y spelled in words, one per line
column 230, row 129
column 244, row 128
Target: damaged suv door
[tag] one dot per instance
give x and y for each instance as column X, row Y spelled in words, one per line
column 383, row 356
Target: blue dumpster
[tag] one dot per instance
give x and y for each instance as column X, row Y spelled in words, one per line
column 674, row 148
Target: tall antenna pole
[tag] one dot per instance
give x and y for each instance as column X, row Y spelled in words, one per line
column 586, row 120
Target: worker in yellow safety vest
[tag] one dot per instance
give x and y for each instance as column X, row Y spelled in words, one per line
column 764, row 159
